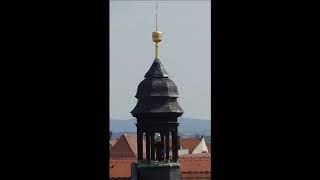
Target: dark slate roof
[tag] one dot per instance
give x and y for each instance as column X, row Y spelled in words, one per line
column 156, row 70
column 157, row 87
column 157, row 93
column 157, row 105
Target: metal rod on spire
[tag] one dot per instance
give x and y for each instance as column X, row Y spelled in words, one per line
column 156, row 35
column 156, row 15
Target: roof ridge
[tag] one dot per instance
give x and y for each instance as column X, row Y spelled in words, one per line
column 200, row 143
column 125, row 137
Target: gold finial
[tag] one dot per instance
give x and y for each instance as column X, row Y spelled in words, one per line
column 157, row 35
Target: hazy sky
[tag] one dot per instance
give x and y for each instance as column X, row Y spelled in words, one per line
column 185, row 52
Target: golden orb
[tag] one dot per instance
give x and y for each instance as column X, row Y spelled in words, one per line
column 156, row 36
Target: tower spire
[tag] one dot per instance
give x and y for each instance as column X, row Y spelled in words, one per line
column 156, row 35
column 156, row 15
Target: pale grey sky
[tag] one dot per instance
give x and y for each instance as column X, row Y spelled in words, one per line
column 185, row 52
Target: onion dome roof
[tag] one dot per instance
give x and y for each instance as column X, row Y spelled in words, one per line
column 157, row 93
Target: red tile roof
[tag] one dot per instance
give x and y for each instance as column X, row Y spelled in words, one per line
column 120, row 168
column 122, row 148
column 189, row 143
column 113, row 141
column 196, row 155
column 196, row 175
column 209, row 148
column 132, row 141
column 195, row 164
column 196, row 167
column 125, row 147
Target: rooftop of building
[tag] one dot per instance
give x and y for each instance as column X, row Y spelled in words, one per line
column 126, row 146
column 120, row 167
column 209, row 147
column 113, row 141
column 189, row 143
column 189, row 166
column 195, row 155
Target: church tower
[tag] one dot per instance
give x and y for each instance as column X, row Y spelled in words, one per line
column 156, row 112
